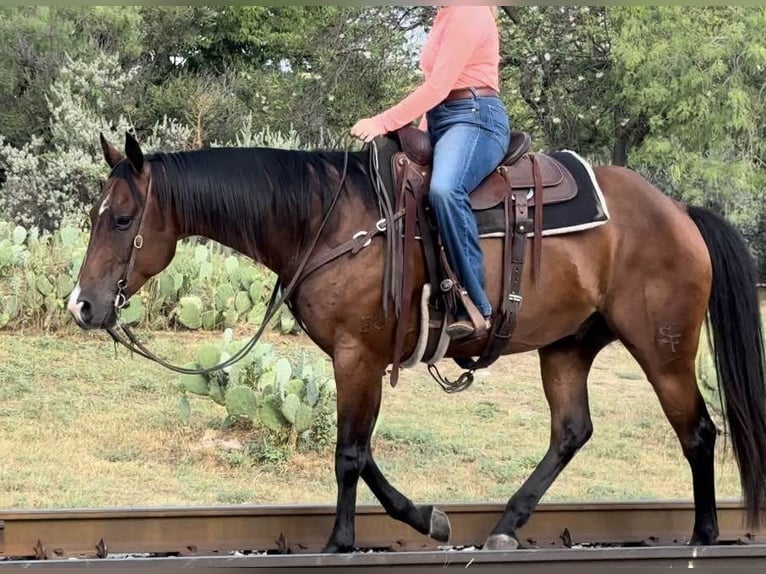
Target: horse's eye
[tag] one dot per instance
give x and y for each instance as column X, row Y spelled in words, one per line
column 123, row 222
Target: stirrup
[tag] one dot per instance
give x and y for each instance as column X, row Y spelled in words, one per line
column 475, row 325
column 466, row 328
column 460, row 329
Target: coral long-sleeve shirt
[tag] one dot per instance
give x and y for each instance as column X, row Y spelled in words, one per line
column 462, row 50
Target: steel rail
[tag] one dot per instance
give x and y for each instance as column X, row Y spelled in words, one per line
column 30, row 536
column 545, row 560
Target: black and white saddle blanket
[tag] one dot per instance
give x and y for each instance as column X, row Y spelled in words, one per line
column 585, row 210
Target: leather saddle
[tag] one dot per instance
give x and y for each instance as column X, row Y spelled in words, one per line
column 557, row 183
column 522, row 180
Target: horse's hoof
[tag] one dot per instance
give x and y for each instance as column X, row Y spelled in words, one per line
column 703, row 539
column 440, row 529
column 501, row 542
column 332, row 548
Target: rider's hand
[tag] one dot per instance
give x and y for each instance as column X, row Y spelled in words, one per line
column 366, row 129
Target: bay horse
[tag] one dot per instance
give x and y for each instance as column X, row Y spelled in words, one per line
column 651, row 277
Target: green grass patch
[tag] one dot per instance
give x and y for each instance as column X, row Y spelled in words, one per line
column 84, row 425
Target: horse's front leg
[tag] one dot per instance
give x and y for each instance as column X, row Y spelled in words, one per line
column 358, row 380
column 358, row 376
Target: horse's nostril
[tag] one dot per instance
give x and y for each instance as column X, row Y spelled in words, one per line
column 86, row 312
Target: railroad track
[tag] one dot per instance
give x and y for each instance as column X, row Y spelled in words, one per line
column 558, row 535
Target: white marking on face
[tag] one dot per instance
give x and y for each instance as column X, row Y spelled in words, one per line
column 105, row 204
column 75, row 306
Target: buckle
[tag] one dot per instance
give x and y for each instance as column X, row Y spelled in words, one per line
column 359, row 234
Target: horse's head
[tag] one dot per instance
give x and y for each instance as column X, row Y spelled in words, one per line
column 130, row 239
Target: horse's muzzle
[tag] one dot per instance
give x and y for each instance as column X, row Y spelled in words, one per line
column 85, row 313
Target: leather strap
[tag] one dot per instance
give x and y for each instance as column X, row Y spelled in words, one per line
column 435, row 274
column 427, row 239
column 514, row 244
column 520, row 231
column 539, row 202
column 121, row 298
column 353, row 246
column 410, row 215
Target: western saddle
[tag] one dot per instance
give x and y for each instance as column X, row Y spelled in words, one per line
column 521, row 181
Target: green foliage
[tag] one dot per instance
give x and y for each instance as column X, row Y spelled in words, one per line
column 53, row 177
column 558, row 80
column 212, row 67
column 673, row 92
column 35, row 44
column 697, row 74
column 287, row 400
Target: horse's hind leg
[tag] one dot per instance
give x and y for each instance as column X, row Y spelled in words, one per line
column 359, row 378
column 685, row 409
column 565, row 366
column 666, row 350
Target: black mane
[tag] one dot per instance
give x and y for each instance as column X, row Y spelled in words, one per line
column 235, row 192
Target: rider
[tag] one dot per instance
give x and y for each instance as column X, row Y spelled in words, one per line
column 469, row 128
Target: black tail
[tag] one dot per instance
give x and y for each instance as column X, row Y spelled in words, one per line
column 737, row 342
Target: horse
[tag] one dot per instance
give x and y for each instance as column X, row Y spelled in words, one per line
column 653, row 277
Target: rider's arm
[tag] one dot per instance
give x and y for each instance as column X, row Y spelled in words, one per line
column 465, row 27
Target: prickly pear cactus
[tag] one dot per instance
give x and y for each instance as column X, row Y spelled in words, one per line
column 195, row 384
column 43, row 285
column 190, row 312
column 241, row 402
column 134, row 312
column 167, row 286
column 224, row 297
column 208, row 356
column 216, row 392
column 289, row 398
column 290, row 405
column 270, row 414
column 242, row 302
column 304, row 417
column 209, row 319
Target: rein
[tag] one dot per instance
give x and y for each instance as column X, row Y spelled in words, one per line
column 133, row 344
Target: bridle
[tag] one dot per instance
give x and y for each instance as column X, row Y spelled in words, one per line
column 138, row 242
column 129, row 339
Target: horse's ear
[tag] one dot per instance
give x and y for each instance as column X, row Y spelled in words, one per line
column 111, row 154
column 134, row 153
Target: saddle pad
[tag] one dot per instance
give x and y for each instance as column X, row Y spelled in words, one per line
column 586, row 210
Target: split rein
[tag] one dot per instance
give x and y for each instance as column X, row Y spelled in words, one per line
column 130, row 341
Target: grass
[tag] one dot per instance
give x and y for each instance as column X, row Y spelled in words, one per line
column 83, row 425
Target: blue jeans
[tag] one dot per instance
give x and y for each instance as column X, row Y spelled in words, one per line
column 470, row 138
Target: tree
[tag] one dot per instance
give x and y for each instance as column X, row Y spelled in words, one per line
column 308, row 68
column 558, row 79
column 696, row 75
column 34, row 44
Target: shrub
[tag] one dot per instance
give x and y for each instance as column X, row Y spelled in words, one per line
column 51, row 178
column 288, row 400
